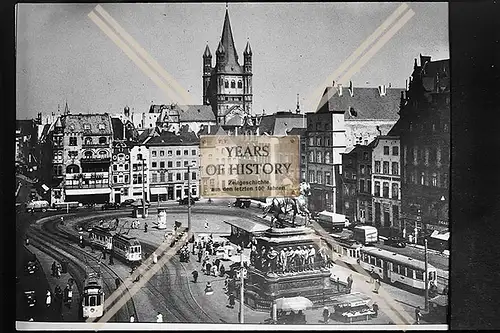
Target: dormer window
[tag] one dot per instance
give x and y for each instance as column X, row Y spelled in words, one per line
column 86, row 127
column 102, row 127
column 226, row 84
column 240, row 84
column 102, row 140
column 72, row 127
column 233, row 84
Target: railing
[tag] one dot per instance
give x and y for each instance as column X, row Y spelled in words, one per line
column 96, row 145
column 95, row 160
column 84, row 186
column 87, row 175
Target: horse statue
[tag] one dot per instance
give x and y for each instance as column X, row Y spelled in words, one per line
column 283, row 206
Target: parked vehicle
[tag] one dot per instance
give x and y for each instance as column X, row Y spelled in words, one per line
column 30, row 298
column 31, row 267
column 184, row 201
column 110, row 205
column 335, row 221
column 365, row 234
column 242, row 203
column 127, row 202
column 67, row 206
column 37, row 206
column 395, row 242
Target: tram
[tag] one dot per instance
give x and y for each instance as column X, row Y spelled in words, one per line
column 127, row 248
column 93, row 296
column 101, row 238
column 396, row 268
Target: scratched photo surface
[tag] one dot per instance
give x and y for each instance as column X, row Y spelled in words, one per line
column 193, row 166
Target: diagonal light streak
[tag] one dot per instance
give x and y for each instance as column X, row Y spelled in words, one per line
column 183, row 95
column 376, row 34
column 126, row 49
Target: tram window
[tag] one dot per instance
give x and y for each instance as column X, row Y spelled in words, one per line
column 99, row 300
column 409, row 272
column 86, row 301
column 372, row 260
column 432, row 276
column 395, row 268
column 379, row 262
column 92, row 300
column 419, row 275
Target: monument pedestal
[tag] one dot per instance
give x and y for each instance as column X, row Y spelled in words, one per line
column 262, row 287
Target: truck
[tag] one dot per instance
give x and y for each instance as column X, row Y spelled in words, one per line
column 37, row 206
column 336, row 221
column 67, row 206
column 365, row 234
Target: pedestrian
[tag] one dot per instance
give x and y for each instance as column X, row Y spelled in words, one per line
column 132, row 319
column 54, row 268
column 338, row 283
column 349, row 282
column 58, row 271
column 231, row 300
column 222, row 270
column 208, row 267
column 62, row 220
column 372, row 273
column 159, row 318
column 200, row 254
column 418, row 314
column 375, row 309
column 104, row 254
column 208, row 289
column 111, row 262
column 195, row 276
column 215, row 271
column 155, row 258
column 27, row 241
column 48, row 299
column 145, row 227
column 377, row 285
column 326, row 315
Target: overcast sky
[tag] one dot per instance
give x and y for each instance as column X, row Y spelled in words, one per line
column 63, row 55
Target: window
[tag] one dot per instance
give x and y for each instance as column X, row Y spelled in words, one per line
column 361, row 185
column 58, row 157
column 186, row 152
column 226, row 84
column 126, row 167
column 170, row 176
column 386, row 189
column 72, row 141
column 379, row 262
column 240, row 84
column 386, row 150
column 377, row 189
column 154, row 164
column 386, row 168
column 162, row 177
column 87, row 141
column 311, row 177
column 162, row 164
column 327, row 141
column 86, row 127
column 327, row 157
column 422, row 178
column 178, row 176
column 177, row 164
column 434, row 179
column 162, row 153
column 233, row 84
column 395, row 191
column 126, row 180
column 186, row 176
column 178, row 152
column 115, row 167
column 186, row 163
column 102, row 127
column 134, row 179
column 395, row 268
column 169, row 153
column 395, row 168
column 193, row 175
column 115, row 179
column 328, row 178
column 445, row 127
column 362, row 169
column 88, row 154
column 311, row 141
column 169, row 164
column 153, row 153
column 409, row 273
column 103, row 140
column 311, row 156
column 320, row 157
column 72, row 169
column 139, row 157
column 320, row 177
column 419, row 275
column 368, row 186
column 193, row 152
column 377, row 166
column 318, row 141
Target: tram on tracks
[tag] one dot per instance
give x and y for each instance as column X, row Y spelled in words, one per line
column 93, row 296
column 127, row 248
column 396, row 268
column 101, row 238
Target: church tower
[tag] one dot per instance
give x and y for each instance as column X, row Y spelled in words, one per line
column 227, row 87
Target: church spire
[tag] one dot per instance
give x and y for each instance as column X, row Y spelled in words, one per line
column 207, row 53
column 248, row 49
column 227, row 41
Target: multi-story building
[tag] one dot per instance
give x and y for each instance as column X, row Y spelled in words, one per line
column 369, row 111
column 27, row 155
column 79, row 147
column 386, row 182
column 424, row 129
column 325, row 143
column 171, row 156
column 356, row 177
column 227, row 87
column 139, row 164
column 302, row 133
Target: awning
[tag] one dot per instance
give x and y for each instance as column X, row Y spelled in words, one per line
column 353, row 299
column 88, row 191
column 248, row 226
column 158, row 190
column 444, row 236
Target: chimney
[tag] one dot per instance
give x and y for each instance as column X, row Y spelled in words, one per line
column 351, row 89
column 208, row 129
column 424, row 59
column 339, row 86
column 381, row 90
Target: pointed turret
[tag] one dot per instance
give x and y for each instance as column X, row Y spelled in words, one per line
column 66, row 108
column 248, row 49
column 207, row 53
column 230, row 60
column 220, row 49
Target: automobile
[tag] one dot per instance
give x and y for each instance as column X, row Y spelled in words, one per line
column 30, row 298
column 31, row 267
column 127, row 202
column 110, row 205
column 196, row 198
column 184, row 201
column 242, row 203
column 395, row 242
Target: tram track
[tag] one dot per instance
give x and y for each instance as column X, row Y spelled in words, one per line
column 49, row 234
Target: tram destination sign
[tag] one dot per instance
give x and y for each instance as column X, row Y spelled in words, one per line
column 249, row 166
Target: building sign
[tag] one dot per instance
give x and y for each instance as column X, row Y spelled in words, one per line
column 249, row 166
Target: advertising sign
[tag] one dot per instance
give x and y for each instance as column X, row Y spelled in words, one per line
column 249, row 166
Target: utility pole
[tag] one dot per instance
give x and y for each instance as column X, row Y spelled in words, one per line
column 189, row 202
column 426, row 277
column 242, row 291
column 143, row 194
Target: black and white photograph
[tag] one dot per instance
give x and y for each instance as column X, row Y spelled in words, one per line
column 339, row 219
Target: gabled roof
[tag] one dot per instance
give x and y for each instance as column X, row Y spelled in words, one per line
column 95, row 120
column 365, row 104
column 281, row 122
column 214, row 130
column 185, row 113
column 166, row 138
column 118, row 129
column 297, row 131
column 436, row 74
column 26, row 126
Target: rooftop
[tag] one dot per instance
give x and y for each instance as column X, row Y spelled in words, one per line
column 99, row 124
column 167, row 138
column 183, row 113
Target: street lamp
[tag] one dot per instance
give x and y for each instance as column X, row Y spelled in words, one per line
column 426, row 276
column 189, row 200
